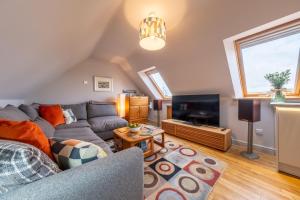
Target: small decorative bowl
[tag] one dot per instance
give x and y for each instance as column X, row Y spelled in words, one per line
column 135, row 130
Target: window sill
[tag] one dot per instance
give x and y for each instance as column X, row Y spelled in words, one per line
column 286, row 104
column 267, row 98
column 254, row 98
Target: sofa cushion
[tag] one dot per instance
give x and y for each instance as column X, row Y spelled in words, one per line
column 107, row 123
column 47, row 128
column 79, row 110
column 71, row 153
column 13, row 113
column 21, row 164
column 30, row 111
column 52, row 113
column 84, row 134
column 95, row 109
column 69, row 116
column 78, row 124
column 26, row 132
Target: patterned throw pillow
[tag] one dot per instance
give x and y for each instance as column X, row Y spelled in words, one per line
column 21, row 164
column 69, row 116
column 72, row 153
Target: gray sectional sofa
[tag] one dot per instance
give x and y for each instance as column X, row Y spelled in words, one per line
column 118, row 176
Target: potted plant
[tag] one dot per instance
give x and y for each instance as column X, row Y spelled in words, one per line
column 134, row 127
column 278, row 80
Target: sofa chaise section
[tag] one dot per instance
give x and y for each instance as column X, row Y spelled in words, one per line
column 104, row 126
column 103, row 119
column 119, row 176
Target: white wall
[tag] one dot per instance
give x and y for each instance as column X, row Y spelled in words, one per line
column 69, row 87
column 229, row 119
column 40, row 40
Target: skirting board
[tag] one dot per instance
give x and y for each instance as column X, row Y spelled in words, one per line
column 258, row 147
column 289, row 169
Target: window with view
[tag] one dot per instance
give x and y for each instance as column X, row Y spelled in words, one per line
column 274, row 50
column 159, row 83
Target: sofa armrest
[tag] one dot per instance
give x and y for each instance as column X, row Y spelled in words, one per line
column 117, row 177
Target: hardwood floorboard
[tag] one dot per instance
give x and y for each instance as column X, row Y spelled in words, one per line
column 248, row 180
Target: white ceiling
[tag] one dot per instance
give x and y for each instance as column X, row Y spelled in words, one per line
column 41, row 39
column 194, row 59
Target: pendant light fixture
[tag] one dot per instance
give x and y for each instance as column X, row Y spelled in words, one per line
column 152, row 33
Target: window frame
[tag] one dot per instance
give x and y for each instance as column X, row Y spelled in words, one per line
column 265, row 35
column 152, row 71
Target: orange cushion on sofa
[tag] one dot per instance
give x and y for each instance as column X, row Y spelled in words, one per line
column 52, row 113
column 26, row 132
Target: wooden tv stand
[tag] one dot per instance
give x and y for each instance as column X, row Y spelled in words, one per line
column 210, row 136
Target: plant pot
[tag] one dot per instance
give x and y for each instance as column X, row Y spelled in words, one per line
column 278, row 96
column 135, row 130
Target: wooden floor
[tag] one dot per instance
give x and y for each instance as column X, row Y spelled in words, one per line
column 251, row 180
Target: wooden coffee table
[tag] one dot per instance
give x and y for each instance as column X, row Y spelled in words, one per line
column 124, row 139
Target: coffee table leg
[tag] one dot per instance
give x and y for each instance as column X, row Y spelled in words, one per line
column 152, row 144
column 127, row 145
column 162, row 143
column 118, row 143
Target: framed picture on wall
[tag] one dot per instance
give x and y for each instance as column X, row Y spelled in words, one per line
column 103, row 84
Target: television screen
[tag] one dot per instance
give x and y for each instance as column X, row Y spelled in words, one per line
column 197, row 109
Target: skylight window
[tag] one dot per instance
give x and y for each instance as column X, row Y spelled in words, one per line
column 155, row 82
column 266, row 49
column 160, row 83
column 276, row 55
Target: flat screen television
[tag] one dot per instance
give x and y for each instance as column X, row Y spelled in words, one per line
column 197, row 109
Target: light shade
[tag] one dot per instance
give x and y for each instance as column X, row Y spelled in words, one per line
column 121, row 104
column 152, row 33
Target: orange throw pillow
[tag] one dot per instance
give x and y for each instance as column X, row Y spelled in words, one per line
column 53, row 114
column 26, row 132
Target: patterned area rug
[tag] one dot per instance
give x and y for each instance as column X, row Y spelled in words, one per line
column 180, row 173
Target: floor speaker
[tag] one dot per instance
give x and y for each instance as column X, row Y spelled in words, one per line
column 249, row 111
column 157, row 105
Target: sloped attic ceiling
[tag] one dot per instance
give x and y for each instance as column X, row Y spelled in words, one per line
column 41, row 39
column 194, row 59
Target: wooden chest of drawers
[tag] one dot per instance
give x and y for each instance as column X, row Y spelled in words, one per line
column 137, row 109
